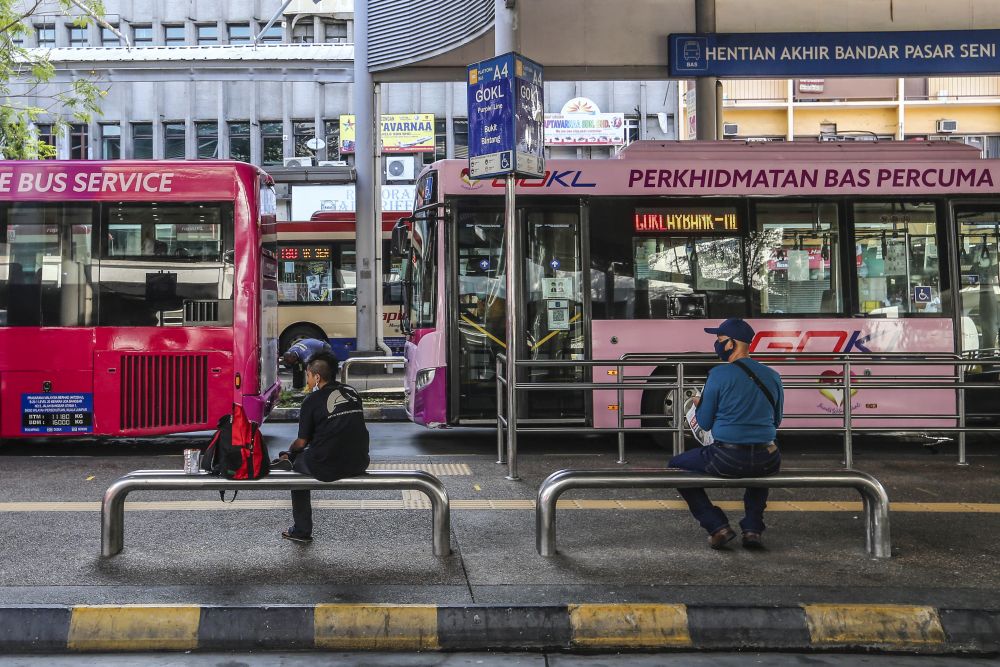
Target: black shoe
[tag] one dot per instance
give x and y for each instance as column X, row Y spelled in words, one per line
column 720, row 538
column 290, row 534
column 751, row 540
column 281, row 464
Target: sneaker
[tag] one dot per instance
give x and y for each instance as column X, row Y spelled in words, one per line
column 290, row 534
column 281, row 464
column 720, row 538
column 751, row 540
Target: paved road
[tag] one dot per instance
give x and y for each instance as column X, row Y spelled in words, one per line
column 489, row 660
column 633, row 546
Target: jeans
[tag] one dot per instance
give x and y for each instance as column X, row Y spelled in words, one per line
column 733, row 463
column 302, row 512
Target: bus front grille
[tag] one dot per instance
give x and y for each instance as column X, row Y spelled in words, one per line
column 159, row 390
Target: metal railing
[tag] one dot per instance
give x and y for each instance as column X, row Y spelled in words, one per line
column 113, row 504
column 874, row 499
column 674, row 373
column 345, row 365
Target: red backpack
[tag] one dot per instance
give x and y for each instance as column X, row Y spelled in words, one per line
column 237, row 449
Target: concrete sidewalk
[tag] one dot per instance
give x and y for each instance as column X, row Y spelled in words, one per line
column 633, row 571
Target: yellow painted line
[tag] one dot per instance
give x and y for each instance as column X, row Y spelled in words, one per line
column 372, row 627
column 442, row 469
column 417, row 500
column 484, row 332
column 629, row 625
column 133, row 628
column 893, row 625
column 553, row 333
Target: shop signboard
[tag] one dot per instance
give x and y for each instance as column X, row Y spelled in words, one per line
column 401, row 133
column 812, row 54
column 506, row 117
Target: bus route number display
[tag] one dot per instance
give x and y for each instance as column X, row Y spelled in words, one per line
column 710, row 219
column 57, row 413
column 304, row 253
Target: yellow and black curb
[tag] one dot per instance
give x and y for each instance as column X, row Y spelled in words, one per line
column 579, row 627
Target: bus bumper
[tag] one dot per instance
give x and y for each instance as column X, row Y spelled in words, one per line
column 259, row 407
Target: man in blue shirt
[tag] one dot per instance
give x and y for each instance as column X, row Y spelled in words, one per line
column 298, row 356
column 741, row 405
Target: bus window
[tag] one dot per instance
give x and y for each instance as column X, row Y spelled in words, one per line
column 793, row 259
column 45, row 265
column 164, row 264
column 422, row 273
column 978, row 252
column 897, row 258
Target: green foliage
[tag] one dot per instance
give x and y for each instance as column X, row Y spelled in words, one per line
column 27, row 86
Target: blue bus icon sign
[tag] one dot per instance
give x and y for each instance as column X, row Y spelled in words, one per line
column 690, row 54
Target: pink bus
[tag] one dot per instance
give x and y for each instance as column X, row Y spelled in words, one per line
column 851, row 248
column 136, row 298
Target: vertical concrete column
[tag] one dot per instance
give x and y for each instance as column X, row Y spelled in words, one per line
column 125, row 119
column 256, row 146
column 158, row 123
column 222, row 119
column 190, row 133
column 900, row 109
column 94, row 141
column 287, row 138
column 449, row 118
column 319, row 110
column 62, row 143
column 705, row 94
column 365, row 185
column 505, row 38
column 790, row 102
column 643, row 102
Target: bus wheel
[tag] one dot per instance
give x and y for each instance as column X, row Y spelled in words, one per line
column 661, row 402
column 295, row 333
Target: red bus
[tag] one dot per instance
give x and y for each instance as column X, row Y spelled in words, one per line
column 136, row 298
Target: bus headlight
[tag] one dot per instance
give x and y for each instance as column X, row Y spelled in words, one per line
column 425, row 377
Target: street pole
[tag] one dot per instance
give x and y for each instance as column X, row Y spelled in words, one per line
column 364, row 186
column 704, row 86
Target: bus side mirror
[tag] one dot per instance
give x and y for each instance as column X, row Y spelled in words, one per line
column 400, row 237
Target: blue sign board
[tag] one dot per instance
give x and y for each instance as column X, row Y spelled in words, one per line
column 922, row 294
column 784, row 54
column 506, row 117
column 57, row 413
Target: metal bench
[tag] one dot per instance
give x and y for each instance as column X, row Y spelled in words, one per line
column 873, row 495
column 113, row 505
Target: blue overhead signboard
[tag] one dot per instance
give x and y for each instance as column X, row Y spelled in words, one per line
column 506, row 117
column 923, row 53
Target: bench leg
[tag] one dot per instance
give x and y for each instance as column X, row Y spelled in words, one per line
column 113, row 519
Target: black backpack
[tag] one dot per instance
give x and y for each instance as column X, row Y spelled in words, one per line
column 339, row 445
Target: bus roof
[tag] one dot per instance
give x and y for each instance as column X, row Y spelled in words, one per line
column 825, row 151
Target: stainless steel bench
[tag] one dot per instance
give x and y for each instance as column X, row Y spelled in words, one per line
column 113, row 505
column 873, row 495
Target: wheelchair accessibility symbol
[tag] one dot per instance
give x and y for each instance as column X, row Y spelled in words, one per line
column 922, row 294
column 505, row 160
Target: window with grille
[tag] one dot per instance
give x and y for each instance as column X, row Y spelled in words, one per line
column 174, row 140
column 238, row 33
column 208, row 140
column 142, row 35
column 272, row 143
column 109, row 38
column 46, row 35
column 173, row 35
column 78, row 136
column 78, row 36
column 208, row 34
column 111, row 141
column 142, row 141
column 239, row 141
column 302, row 33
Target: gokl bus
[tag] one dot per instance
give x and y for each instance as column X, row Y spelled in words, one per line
column 136, row 298
column 317, row 292
column 847, row 248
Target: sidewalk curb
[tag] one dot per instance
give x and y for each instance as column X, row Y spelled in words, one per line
column 572, row 627
column 380, row 413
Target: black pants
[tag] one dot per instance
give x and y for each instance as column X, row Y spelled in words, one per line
column 302, row 512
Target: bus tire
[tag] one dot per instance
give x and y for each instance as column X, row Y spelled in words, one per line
column 659, row 402
column 297, row 332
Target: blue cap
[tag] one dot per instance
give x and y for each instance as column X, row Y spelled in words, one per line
column 734, row 328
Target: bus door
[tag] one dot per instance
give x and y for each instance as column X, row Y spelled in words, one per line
column 979, row 301
column 551, row 319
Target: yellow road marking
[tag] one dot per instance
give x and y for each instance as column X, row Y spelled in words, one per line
column 893, row 625
column 417, row 500
column 484, row 332
column 133, row 628
column 442, row 469
column 632, row 625
column 364, row 627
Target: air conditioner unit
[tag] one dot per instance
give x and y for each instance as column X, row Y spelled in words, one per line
column 730, row 129
column 332, row 163
column 298, row 161
column 399, row 168
column 947, row 126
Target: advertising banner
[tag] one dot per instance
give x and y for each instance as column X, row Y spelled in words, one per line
column 506, row 119
column 581, row 123
column 310, row 199
column 782, row 54
column 401, row 133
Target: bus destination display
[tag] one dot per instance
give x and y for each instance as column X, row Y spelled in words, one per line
column 711, row 219
column 304, row 252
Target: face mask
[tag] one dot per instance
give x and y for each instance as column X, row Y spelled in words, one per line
column 721, row 351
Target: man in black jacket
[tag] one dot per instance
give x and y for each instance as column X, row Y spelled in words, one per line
column 332, row 441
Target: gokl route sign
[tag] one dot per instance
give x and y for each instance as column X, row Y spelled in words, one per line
column 889, row 53
column 506, row 117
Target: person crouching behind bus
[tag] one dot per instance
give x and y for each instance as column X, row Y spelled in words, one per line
column 299, row 354
column 742, row 405
column 332, row 440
